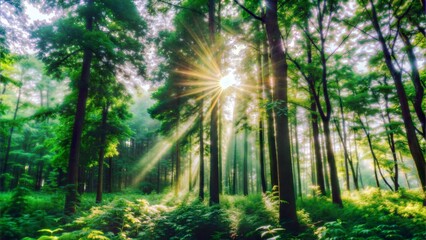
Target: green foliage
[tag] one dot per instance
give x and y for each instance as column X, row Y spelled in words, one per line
column 192, row 221
column 370, row 214
column 23, row 213
column 119, row 219
column 18, row 203
column 270, row 232
column 331, row 230
column 254, row 215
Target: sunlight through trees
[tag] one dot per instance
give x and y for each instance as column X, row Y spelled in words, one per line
column 212, row 119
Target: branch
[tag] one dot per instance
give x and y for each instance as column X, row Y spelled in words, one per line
column 361, row 30
column 59, row 62
column 248, row 11
column 182, row 7
column 313, row 25
column 281, row 5
column 298, row 67
column 310, row 39
column 341, row 43
column 327, row 30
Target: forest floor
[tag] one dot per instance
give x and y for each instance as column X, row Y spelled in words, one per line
column 369, row 214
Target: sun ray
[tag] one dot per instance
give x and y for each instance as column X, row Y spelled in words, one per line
column 154, row 155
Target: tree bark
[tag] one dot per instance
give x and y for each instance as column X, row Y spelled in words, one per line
column 201, row 136
column 415, row 78
column 71, row 198
column 9, row 143
column 270, row 118
column 335, row 189
column 101, row 155
column 296, row 145
column 214, row 155
column 376, row 161
column 234, row 168
column 413, row 142
column 344, row 139
column 260, row 85
column 287, row 206
column 391, row 139
column 317, row 148
column 245, row 163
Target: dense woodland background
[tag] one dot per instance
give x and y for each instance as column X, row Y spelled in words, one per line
column 212, row 119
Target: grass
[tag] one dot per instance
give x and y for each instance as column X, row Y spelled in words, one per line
column 369, row 214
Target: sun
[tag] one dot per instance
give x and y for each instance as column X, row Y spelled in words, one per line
column 227, row 81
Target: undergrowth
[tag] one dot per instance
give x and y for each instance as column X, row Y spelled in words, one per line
column 369, row 214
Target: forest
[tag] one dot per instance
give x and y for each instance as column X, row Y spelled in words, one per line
column 212, row 119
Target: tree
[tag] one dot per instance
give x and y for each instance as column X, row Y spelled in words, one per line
column 214, row 150
column 372, row 14
column 287, row 209
column 107, row 31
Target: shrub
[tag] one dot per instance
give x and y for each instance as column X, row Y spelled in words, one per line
column 252, row 216
column 191, row 221
column 120, row 218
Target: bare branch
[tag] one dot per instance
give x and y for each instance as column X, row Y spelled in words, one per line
column 361, row 30
column 182, row 7
column 60, row 61
column 248, row 11
column 327, row 30
column 341, row 43
column 310, row 39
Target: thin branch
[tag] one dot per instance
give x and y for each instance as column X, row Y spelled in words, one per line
column 313, row 25
column 298, row 67
column 310, row 39
column 341, row 43
column 59, row 62
column 327, row 30
column 248, row 11
column 182, row 7
column 361, row 30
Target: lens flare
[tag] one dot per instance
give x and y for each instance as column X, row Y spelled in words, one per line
column 227, row 81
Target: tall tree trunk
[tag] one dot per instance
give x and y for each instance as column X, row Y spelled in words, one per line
column 314, row 119
column 358, row 172
column 71, row 198
column 390, row 138
column 287, row 206
column 260, row 94
column 335, row 189
column 9, row 144
column 376, row 161
column 413, row 142
column 270, row 122
column 177, row 154
column 101, row 155
column 220, row 167
column 326, row 175
column 415, row 78
column 190, row 164
column 158, row 178
column 325, row 114
column 269, row 113
column 344, row 140
column 39, row 175
column 245, row 163
column 201, row 136
column 405, row 174
column 109, row 178
column 318, row 160
column 234, row 168
column 296, row 138
column 214, row 157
